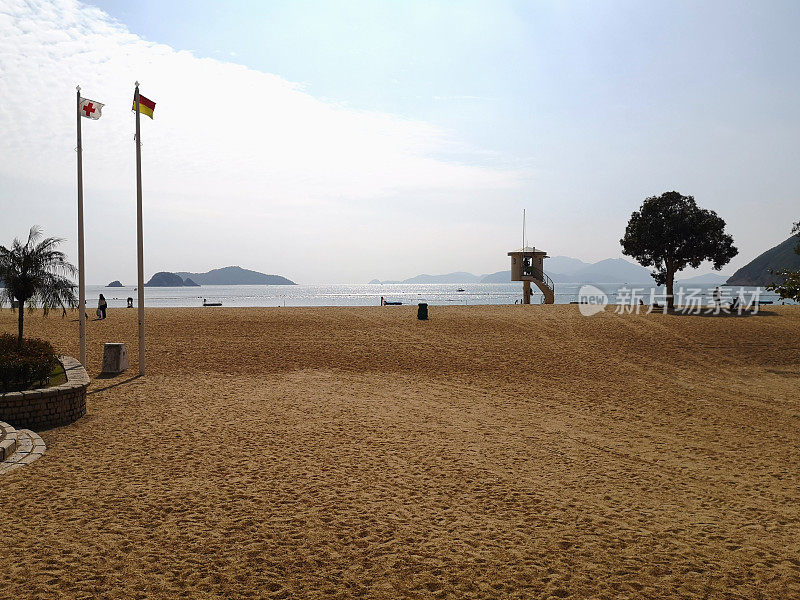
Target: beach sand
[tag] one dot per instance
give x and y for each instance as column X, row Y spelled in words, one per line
column 491, row 452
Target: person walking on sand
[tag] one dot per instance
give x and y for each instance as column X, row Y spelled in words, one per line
column 101, row 307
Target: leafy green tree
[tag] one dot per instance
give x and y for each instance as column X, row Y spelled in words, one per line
column 670, row 232
column 789, row 287
column 34, row 275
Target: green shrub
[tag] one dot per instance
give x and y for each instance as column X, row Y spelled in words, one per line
column 26, row 367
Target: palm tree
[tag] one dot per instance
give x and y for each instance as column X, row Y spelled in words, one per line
column 34, row 274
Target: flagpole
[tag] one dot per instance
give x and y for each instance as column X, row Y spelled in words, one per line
column 139, row 237
column 81, row 268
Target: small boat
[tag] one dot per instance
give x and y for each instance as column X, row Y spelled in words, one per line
column 460, row 290
column 207, row 303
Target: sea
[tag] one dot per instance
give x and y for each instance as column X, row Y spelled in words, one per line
column 449, row 294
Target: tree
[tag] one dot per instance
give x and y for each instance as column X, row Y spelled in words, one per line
column 789, row 287
column 670, row 232
column 34, row 275
column 796, row 231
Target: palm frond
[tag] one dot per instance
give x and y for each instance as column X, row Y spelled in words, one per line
column 34, row 234
column 56, row 292
column 36, row 273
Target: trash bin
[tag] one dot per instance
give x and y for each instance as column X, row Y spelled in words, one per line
column 422, row 311
column 115, row 359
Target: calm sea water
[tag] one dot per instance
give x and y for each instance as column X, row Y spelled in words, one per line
column 370, row 294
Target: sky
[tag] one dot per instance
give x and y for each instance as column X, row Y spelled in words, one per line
column 331, row 141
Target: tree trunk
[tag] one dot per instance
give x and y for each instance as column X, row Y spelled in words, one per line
column 20, row 318
column 671, row 290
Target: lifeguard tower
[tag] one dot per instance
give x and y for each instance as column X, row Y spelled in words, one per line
column 527, row 264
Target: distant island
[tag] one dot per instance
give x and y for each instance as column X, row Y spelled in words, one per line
column 564, row 269
column 115, row 283
column 165, row 279
column 235, row 276
column 757, row 271
column 224, row 276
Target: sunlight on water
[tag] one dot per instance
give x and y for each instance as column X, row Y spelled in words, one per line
column 368, row 294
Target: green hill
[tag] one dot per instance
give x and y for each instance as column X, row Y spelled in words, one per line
column 164, row 279
column 756, row 272
column 235, row 276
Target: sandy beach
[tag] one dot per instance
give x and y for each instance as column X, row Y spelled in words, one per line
column 491, row 452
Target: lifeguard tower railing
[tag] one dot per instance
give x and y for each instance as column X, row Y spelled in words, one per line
column 537, row 273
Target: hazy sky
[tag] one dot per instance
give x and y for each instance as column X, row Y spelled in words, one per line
column 340, row 141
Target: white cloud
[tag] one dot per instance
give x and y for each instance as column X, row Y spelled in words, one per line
column 229, row 148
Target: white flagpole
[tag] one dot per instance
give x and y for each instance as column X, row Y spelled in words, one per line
column 81, row 269
column 139, row 237
column 523, row 230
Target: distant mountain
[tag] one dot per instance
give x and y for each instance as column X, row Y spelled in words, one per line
column 235, row 276
column 115, row 283
column 499, row 277
column 611, row 270
column 757, row 272
column 565, row 265
column 708, row 278
column 164, row 279
column 457, row 277
column 189, row 283
column 560, row 269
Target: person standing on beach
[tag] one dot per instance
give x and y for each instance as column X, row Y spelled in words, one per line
column 101, row 306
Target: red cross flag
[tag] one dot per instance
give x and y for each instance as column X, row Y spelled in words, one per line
column 91, row 109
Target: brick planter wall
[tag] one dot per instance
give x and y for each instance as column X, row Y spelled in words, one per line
column 48, row 407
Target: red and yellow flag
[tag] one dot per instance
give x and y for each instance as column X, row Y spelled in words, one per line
column 146, row 107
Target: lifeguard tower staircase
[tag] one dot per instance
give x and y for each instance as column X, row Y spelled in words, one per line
column 527, row 264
